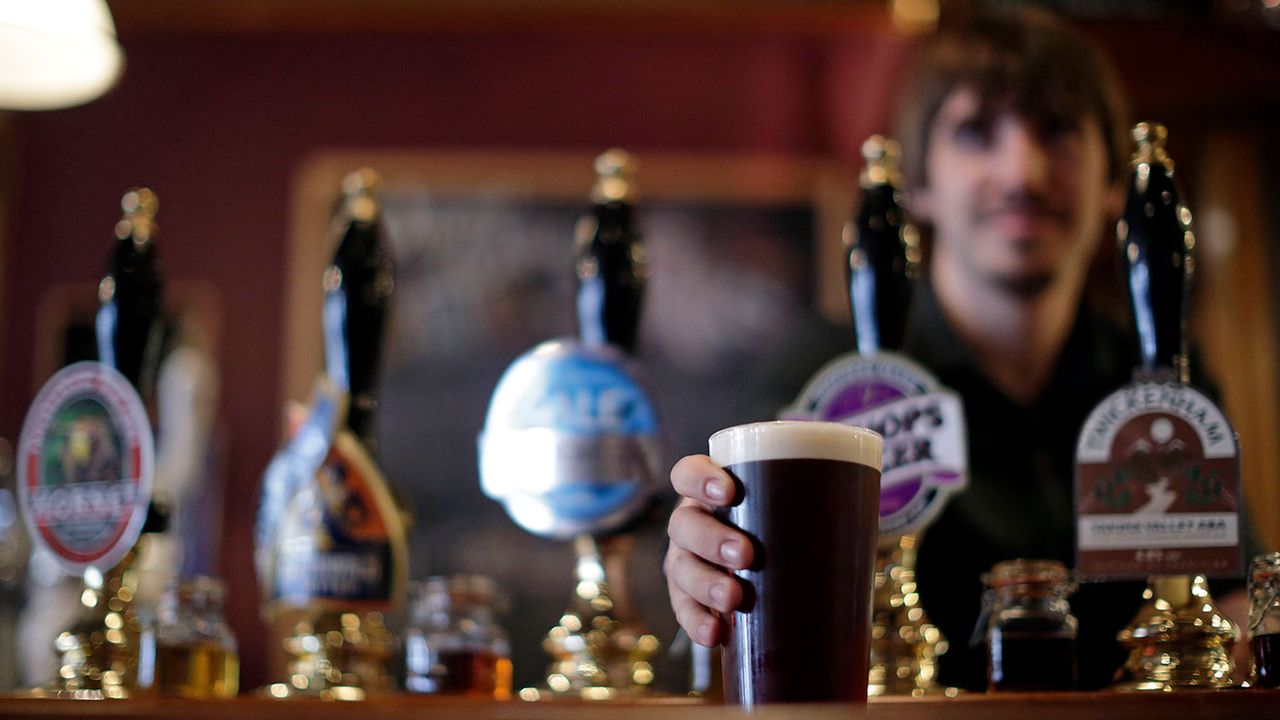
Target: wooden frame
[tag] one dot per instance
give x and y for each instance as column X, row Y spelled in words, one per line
column 748, row 179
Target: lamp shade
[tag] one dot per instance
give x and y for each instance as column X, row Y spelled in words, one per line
column 56, row 53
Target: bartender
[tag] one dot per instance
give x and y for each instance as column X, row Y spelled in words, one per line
column 1015, row 150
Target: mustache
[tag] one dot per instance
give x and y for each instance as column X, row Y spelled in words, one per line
column 1025, row 203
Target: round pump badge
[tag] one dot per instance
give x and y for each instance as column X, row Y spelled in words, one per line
column 571, row 441
column 85, row 464
column 925, row 454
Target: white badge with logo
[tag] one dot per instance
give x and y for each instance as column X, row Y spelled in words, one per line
column 1157, row 486
column 925, row 454
column 85, row 464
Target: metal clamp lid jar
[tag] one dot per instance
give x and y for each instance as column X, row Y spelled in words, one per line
column 454, row 644
column 1264, row 618
column 1031, row 633
column 196, row 653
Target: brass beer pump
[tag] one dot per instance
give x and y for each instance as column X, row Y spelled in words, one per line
column 107, row 654
column 597, row 649
column 1179, row 639
column 586, row 468
column 326, row 506
column 904, row 644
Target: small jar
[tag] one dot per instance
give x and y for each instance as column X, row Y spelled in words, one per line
column 454, row 644
column 1031, row 634
column 1264, row 618
column 196, row 654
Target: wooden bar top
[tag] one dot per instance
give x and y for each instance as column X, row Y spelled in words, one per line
column 1238, row 704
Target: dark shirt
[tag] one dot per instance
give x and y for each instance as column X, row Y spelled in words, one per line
column 1019, row 502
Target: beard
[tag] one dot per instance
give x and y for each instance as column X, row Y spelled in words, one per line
column 1025, row 286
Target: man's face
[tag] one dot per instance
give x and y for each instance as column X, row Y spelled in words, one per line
column 1018, row 202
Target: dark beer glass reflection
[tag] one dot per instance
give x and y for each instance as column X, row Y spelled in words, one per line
column 808, row 497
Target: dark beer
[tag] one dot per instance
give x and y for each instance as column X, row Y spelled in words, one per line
column 1266, row 654
column 808, row 499
column 1032, row 656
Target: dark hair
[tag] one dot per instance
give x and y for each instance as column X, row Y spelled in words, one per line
column 1024, row 60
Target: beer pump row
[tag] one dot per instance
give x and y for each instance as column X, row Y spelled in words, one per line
column 331, row 543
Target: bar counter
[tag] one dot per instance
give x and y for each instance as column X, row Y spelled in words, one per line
column 1238, row 704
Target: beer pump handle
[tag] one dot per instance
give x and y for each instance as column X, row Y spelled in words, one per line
column 611, row 262
column 129, row 327
column 358, row 286
column 1156, row 241
column 881, row 252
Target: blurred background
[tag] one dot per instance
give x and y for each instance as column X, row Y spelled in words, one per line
column 745, row 116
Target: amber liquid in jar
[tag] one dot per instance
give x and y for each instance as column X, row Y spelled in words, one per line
column 473, row 672
column 200, row 670
column 479, row 673
column 454, row 644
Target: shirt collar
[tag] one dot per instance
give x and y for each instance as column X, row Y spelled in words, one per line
column 1096, row 358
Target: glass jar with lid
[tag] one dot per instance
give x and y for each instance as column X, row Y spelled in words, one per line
column 1031, row 633
column 1264, row 618
column 196, row 652
column 454, row 644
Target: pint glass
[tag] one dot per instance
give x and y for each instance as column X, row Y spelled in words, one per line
column 808, row 497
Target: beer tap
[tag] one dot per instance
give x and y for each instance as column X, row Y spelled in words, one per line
column 1178, row 638
column 882, row 254
column 597, row 647
column 611, row 263
column 104, row 653
column 129, row 324
column 571, row 447
column 358, row 286
column 1156, row 242
column 325, row 502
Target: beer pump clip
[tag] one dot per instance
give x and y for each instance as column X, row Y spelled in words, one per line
column 571, row 446
column 1157, row 462
column 86, row 461
column 330, row 539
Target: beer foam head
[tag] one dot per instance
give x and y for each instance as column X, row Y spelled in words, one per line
column 787, row 439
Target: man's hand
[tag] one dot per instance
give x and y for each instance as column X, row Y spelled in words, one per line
column 703, row 549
